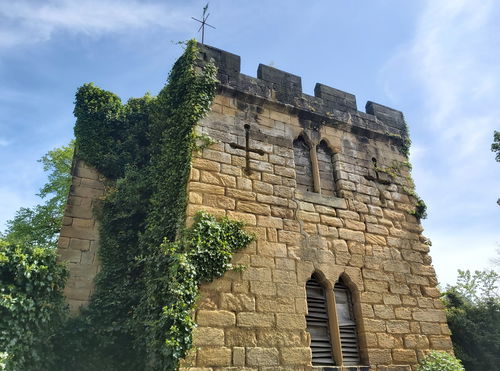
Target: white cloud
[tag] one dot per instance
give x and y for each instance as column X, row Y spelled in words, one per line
column 24, row 21
column 450, row 74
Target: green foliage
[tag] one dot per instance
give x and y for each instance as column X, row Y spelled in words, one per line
column 495, row 146
column 440, row 361
column 394, row 170
column 40, row 225
column 140, row 315
column 477, row 287
column 201, row 254
column 405, row 147
column 473, row 312
column 31, row 305
column 420, row 211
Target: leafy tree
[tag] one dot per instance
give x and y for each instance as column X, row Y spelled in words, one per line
column 473, row 312
column 477, row 287
column 495, row 146
column 440, row 361
column 32, row 307
column 40, row 225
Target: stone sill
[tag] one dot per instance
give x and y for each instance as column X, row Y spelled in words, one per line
column 319, row 199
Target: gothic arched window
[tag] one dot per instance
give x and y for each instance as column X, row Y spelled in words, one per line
column 303, row 167
column 334, row 338
column 347, row 324
column 325, row 165
column 318, row 324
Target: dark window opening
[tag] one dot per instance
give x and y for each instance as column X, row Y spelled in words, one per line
column 325, row 165
column 303, row 166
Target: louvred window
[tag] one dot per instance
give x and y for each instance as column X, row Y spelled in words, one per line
column 347, row 324
column 318, row 324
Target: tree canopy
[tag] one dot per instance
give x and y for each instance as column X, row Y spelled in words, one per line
column 40, row 225
column 473, row 311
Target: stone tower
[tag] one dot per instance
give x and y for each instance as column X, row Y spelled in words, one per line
column 339, row 277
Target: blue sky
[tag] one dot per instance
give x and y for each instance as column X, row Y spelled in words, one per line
column 437, row 61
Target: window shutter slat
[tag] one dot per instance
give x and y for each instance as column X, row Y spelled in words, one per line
column 318, row 325
column 347, row 325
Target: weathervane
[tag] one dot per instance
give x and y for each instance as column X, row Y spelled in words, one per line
column 203, row 22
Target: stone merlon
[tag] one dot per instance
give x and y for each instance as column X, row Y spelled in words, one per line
column 327, row 105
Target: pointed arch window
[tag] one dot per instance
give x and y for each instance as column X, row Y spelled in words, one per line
column 325, row 167
column 331, row 324
column 314, row 167
column 347, row 324
column 303, row 166
column 318, row 324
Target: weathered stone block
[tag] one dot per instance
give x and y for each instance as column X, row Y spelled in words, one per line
column 296, row 356
column 214, row 356
column 351, row 235
column 283, row 276
column 416, row 342
column 290, row 321
column 262, row 288
column 398, row 327
column 287, row 338
column 255, row 320
column 374, row 325
column 429, row 315
column 440, row 342
column 253, row 208
column 239, row 356
column 380, row 356
column 383, row 311
column 215, row 318
column 430, row 328
column 237, row 302
column 387, row 341
column 262, row 356
column 404, row 356
column 275, row 305
column 240, row 337
column 208, row 336
column 257, row 274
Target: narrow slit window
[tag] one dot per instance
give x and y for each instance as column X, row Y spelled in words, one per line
column 347, row 324
column 303, row 166
column 325, row 165
column 318, row 324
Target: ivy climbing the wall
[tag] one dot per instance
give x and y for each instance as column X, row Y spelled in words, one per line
column 140, row 315
column 395, row 170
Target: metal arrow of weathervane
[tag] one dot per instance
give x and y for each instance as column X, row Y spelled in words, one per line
column 203, row 22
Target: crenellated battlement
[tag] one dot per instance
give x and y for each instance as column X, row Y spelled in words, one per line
column 327, row 105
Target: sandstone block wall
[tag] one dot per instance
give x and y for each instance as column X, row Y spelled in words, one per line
column 366, row 234
column 79, row 238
